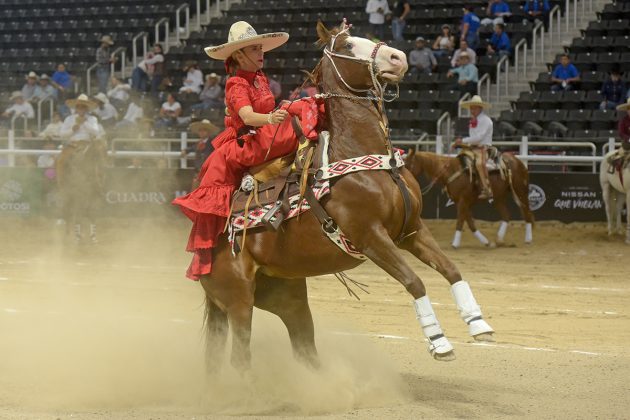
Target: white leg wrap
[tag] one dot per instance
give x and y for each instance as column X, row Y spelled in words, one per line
column 528, row 233
column 77, row 232
column 502, row 231
column 481, row 238
column 93, row 233
column 431, row 327
column 469, row 310
column 457, row 239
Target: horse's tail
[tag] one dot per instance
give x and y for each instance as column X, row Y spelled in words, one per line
column 520, row 186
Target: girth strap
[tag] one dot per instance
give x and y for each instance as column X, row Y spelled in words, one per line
column 395, row 174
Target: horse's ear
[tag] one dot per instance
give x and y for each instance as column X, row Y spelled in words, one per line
column 323, row 33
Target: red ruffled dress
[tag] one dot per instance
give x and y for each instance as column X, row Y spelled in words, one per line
column 209, row 205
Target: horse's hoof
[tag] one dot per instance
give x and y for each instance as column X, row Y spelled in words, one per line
column 487, row 337
column 445, row 357
column 491, row 245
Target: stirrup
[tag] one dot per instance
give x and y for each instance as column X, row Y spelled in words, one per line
column 273, row 225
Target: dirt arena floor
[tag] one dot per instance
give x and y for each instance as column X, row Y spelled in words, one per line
column 113, row 331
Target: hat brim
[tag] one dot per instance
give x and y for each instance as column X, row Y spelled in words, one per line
column 623, row 107
column 72, row 103
column 483, row 105
column 269, row 42
column 199, row 125
column 15, row 97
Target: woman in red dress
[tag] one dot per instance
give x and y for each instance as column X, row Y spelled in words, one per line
column 255, row 132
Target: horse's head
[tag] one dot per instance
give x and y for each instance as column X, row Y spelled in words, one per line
column 358, row 60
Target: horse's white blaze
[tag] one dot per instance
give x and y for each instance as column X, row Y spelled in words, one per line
column 391, row 63
column 613, row 188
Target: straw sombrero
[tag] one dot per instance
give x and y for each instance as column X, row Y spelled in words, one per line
column 242, row 35
column 196, row 126
column 107, row 40
column 476, row 101
column 101, row 97
column 16, row 94
column 81, row 100
column 624, row 107
column 32, row 75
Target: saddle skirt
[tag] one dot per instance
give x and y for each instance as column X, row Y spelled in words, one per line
column 494, row 162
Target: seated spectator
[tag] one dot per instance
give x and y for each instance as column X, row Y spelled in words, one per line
column 20, row 107
column 613, row 91
column 469, row 28
column 45, row 89
column 497, row 11
column 463, row 47
column 169, row 112
column 119, row 93
column 212, row 94
column 194, row 78
column 499, row 42
column 565, row 75
column 421, row 59
column 537, row 10
column 62, row 81
column 30, row 88
column 467, row 75
column 133, row 116
column 445, row 42
column 52, row 130
column 106, row 113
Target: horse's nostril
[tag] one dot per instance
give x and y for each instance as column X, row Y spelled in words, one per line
column 394, row 57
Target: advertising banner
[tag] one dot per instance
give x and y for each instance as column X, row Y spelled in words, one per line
column 21, row 191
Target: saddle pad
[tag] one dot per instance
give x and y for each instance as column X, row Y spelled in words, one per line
column 239, row 221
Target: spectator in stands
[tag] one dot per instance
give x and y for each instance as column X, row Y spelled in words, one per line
column 194, row 78
column 45, row 88
column 444, row 43
column 80, row 126
column 613, row 90
column 134, row 114
column 169, row 112
column 400, row 11
column 20, row 107
column 469, row 29
column 421, row 59
column 62, row 81
column 105, row 111
column 53, row 129
column 499, row 42
column 464, row 48
column 104, row 60
column 537, row 10
column 467, row 75
column 498, row 11
column 623, row 127
column 30, row 87
column 212, row 94
column 565, row 75
column 206, row 132
column 119, row 93
column 377, row 10
column 151, row 68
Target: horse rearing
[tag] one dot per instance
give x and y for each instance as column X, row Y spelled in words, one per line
column 270, row 271
column 464, row 190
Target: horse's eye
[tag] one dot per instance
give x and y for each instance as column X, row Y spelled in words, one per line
column 349, row 45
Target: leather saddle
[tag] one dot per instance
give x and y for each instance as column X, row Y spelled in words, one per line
column 495, row 162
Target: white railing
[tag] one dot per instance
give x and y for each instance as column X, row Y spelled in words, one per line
column 158, row 24
column 178, row 25
column 485, row 80
column 459, row 104
column 19, row 117
column 226, row 6
column 520, row 47
column 122, row 51
column 504, row 62
column 555, row 13
column 134, row 47
column 40, row 103
column 446, row 117
column 538, row 31
column 611, row 145
column 88, row 78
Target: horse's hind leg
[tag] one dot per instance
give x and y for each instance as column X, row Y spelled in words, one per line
column 216, row 325
column 383, row 252
column 425, row 248
column 501, row 205
column 521, row 197
column 288, row 299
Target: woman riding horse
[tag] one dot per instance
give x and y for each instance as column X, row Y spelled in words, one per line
column 255, row 132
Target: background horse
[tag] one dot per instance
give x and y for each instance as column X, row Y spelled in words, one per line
column 464, row 191
column 270, row 272
column 80, row 179
column 615, row 191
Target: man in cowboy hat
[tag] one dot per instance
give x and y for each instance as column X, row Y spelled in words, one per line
column 45, row 89
column 467, row 75
column 212, row 94
column 206, row 132
column 30, row 87
column 194, row 78
column 19, row 107
column 80, row 126
column 105, row 111
column 104, row 59
column 479, row 139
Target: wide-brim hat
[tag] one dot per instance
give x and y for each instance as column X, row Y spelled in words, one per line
column 32, row 75
column 82, row 99
column 107, row 40
column 476, row 101
column 241, row 35
column 16, row 94
column 624, row 107
column 204, row 124
column 44, row 77
column 212, row 76
column 101, row 97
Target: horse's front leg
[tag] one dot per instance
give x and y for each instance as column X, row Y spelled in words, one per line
column 425, row 248
column 607, row 196
column 378, row 247
column 463, row 208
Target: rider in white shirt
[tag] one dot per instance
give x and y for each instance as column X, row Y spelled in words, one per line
column 80, row 126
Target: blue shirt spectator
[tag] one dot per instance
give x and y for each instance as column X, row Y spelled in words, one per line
column 470, row 27
column 62, row 78
column 500, row 42
column 536, row 7
column 564, row 75
column 499, row 8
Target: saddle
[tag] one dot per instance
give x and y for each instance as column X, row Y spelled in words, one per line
column 494, row 163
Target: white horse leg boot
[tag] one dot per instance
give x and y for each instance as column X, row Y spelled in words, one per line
column 77, row 232
column 438, row 343
column 457, row 239
column 93, row 233
column 469, row 310
column 528, row 233
column 502, row 231
column 480, row 236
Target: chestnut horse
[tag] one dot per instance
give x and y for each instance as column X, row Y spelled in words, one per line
column 270, row 272
column 449, row 172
